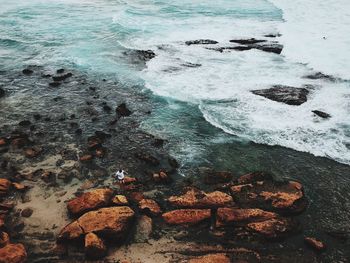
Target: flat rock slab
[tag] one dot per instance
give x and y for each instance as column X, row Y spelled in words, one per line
column 111, row 222
column 285, row 94
column 281, row 197
column 186, row 216
column 195, row 198
column 274, row 228
column 239, row 216
column 201, row 42
column 90, row 201
column 211, row 258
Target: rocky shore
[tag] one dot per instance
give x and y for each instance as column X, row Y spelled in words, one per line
column 60, row 144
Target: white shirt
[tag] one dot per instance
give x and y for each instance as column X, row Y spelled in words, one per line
column 120, row 175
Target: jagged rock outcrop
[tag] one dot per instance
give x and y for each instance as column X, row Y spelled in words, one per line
column 285, row 94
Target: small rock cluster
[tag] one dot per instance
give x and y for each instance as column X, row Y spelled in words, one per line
column 9, row 252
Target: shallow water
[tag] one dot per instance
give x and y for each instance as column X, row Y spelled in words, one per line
column 92, row 36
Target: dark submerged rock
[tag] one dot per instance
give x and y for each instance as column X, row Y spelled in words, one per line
column 122, row 110
column 320, row 75
column 201, row 42
column 286, row 94
column 248, row 41
column 2, row 92
column 270, row 47
column 321, row 114
column 140, row 55
column 54, row 84
column 27, row 71
column 62, row 77
column 273, row 35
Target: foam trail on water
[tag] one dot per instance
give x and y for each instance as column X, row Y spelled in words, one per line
column 317, row 33
column 221, row 86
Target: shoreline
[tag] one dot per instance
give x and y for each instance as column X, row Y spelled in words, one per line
column 79, row 153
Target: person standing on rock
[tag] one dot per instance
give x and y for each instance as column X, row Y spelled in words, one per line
column 120, row 175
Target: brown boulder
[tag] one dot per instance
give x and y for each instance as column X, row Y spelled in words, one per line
column 186, row 216
column 211, row 258
column 120, row 200
column 19, row 187
column 4, row 239
column 237, row 215
column 111, row 222
column 161, row 177
column 13, row 253
column 90, row 201
column 4, row 186
column 94, row 246
column 150, row 207
column 129, row 180
column 194, row 198
column 284, row 197
column 27, row 212
column 273, row 228
column 314, row 243
column 86, row 158
column 2, row 142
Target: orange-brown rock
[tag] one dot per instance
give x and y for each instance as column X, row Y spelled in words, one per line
column 13, row 253
column 86, row 158
column 314, row 243
column 211, row 258
column 90, row 201
column 2, row 222
column 4, row 186
column 129, row 180
column 111, row 222
column 237, row 215
column 94, row 246
column 2, row 142
column 150, row 207
column 186, row 216
column 100, row 152
column 120, row 200
column 19, row 187
column 273, row 228
column 284, row 197
column 161, row 177
column 194, row 198
column 4, row 239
